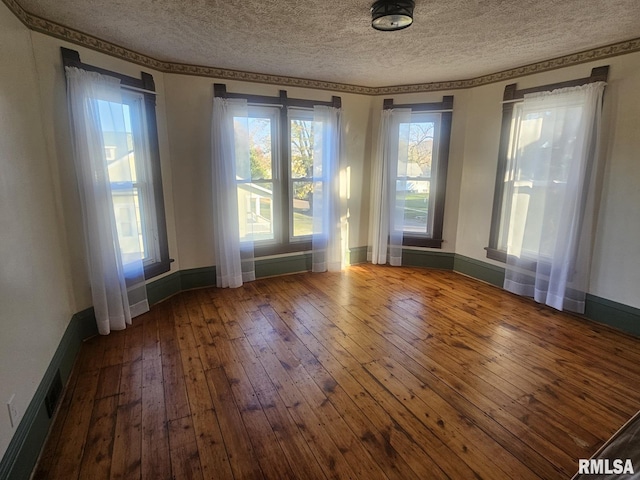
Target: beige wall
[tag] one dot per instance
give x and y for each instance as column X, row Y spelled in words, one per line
column 35, row 285
column 616, row 261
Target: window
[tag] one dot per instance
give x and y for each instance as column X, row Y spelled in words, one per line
column 276, row 196
column 129, row 136
column 300, row 213
column 256, row 187
column 545, row 175
column 421, row 172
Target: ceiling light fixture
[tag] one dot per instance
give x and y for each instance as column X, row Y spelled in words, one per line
column 390, row 15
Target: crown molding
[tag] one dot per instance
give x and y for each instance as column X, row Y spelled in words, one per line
column 222, row 73
column 42, row 25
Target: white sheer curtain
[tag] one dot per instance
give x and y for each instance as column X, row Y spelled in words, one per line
column 388, row 182
column 116, row 275
column 553, row 200
column 231, row 168
column 327, row 212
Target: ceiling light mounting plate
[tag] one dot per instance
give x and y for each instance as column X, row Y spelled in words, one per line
column 391, row 15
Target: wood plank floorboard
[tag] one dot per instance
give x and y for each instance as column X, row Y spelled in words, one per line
column 372, row 373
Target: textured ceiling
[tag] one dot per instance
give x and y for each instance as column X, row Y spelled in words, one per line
column 332, row 40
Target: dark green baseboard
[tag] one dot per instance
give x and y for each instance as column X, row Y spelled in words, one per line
column 427, row 259
column 164, row 287
column 24, row 448
column 271, row 267
column 197, row 278
column 484, row 271
column 617, row 315
column 357, row 255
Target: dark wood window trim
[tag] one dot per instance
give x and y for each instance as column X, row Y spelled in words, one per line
column 283, row 101
column 445, row 108
column 144, row 85
column 510, row 97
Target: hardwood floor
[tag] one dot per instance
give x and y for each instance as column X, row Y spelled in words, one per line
column 376, row 372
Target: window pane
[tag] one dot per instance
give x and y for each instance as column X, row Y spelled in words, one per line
column 416, row 205
column 301, row 148
column 126, row 206
column 301, row 171
column 255, row 211
column 260, row 148
column 537, row 175
column 122, row 148
column 420, row 149
column 302, row 208
column 255, row 166
column 415, row 168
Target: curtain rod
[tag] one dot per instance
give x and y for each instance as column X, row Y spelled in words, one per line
column 515, row 100
column 448, row 110
column 264, row 105
column 417, row 110
column 136, row 89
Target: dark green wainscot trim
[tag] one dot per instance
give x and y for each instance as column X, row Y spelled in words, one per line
column 427, row 258
column 480, row 270
column 617, row 315
column 271, row 267
column 164, row 287
column 197, row 278
column 24, row 448
column 357, row 255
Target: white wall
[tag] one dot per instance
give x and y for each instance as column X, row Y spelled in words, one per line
column 35, row 285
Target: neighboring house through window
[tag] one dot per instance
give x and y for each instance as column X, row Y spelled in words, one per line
column 275, row 199
column 130, row 139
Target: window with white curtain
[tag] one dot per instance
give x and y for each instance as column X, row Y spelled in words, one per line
column 256, row 186
column 547, row 189
column 276, row 194
column 420, row 171
column 124, row 131
column 300, row 170
column 409, row 178
column 131, row 151
column 275, row 215
column 415, row 178
column 541, row 172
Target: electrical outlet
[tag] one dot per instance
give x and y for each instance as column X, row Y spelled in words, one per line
column 13, row 411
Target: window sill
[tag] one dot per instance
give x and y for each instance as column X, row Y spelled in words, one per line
column 498, row 255
column 422, row 242
column 157, row 268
